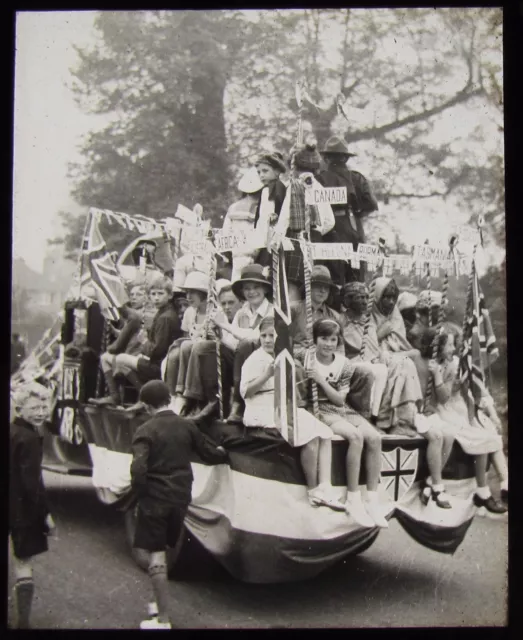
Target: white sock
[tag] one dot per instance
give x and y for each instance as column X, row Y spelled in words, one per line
column 504, row 485
column 372, row 496
column 429, row 481
column 483, row 492
column 438, row 487
column 353, row 495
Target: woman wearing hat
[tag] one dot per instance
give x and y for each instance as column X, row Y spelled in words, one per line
column 240, row 218
column 360, row 202
column 270, row 166
column 427, row 308
column 255, row 289
column 193, row 329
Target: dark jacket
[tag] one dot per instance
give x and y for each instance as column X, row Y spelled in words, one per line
column 130, row 328
column 161, row 474
column 360, row 201
column 27, row 499
column 165, row 329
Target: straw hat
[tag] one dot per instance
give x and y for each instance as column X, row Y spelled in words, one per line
column 250, row 181
column 321, row 275
column 406, row 300
column 196, row 281
column 250, row 273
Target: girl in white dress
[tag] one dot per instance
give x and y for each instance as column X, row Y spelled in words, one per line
column 313, row 437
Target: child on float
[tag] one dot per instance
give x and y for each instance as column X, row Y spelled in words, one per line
column 313, row 437
column 478, row 436
column 332, row 372
column 255, row 289
column 193, row 329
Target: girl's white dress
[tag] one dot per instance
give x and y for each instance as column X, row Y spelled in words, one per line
column 259, row 409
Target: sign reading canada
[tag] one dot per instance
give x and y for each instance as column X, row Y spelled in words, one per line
column 326, row 195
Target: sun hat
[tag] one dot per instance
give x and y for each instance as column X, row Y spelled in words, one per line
column 406, row 300
column 274, row 160
column 321, row 275
column 250, row 273
column 196, row 281
column 435, row 298
column 250, row 181
column 338, row 146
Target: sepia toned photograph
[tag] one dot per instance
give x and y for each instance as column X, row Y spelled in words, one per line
column 258, row 320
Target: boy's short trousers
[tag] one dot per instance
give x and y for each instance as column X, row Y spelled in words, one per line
column 29, row 541
column 155, row 532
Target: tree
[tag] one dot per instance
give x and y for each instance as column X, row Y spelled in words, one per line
column 193, row 96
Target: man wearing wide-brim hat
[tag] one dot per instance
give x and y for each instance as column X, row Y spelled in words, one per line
column 322, row 290
column 360, row 202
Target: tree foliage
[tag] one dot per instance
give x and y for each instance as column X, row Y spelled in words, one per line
column 192, row 96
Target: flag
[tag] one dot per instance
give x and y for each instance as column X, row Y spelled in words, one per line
column 103, row 274
column 479, row 343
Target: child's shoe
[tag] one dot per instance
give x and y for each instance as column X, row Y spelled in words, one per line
column 355, row 508
column 375, row 511
column 323, row 496
column 490, row 504
column 154, row 623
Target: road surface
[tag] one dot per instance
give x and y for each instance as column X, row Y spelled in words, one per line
column 88, row 581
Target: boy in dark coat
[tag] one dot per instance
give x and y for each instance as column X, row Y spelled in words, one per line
column 161, row 478
column 29, row 519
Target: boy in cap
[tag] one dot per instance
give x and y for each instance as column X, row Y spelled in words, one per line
column 161, row 478
column 29, row 519
column 360, row 202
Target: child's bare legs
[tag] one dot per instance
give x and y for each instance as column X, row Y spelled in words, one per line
column 372, row 441
column 500, row 465
column 434, row 438
column 309, row 462
column 325, row 462
column 24, row 589
column 158, row 575
column 448, row 441
column 480, row 466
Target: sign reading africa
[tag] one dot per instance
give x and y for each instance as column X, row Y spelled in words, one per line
column 238, row 241
column 329, row 195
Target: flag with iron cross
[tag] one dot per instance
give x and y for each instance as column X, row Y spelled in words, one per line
column 398, row 471
column 284, row 368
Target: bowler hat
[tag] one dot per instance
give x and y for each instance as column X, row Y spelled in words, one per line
column 196, row 281
column 274, row 160
column 338, row 146
column 250, row 273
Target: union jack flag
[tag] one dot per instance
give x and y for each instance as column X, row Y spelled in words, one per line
column 102, row 273
column 479, row 343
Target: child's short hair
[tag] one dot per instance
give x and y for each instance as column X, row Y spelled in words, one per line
column 33, row 390
column 161, row 282
column 325, row 328
column 155, row 393
column 268, row 321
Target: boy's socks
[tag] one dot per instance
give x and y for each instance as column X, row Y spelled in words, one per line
column 24, row 589
column 438, row 487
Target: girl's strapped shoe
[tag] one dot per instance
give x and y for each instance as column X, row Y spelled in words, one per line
column 355, row 508
column 490, row 504
column 439, row 497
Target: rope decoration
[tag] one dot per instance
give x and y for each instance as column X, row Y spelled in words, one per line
column 101, row 386
column 307, row 266
column 210, row 332
column 372, row 291
column 428, row 287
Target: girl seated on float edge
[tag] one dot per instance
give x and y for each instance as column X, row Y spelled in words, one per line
column 332, row 372
column 196, row 287
column 314, row 438
column 478, row 436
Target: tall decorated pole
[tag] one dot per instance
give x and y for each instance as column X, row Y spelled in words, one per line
column 210, row 332
column 372, row 290
column 428, row 286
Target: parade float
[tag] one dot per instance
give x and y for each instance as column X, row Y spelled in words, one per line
column 251, row 514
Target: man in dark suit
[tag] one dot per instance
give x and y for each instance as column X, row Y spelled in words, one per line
column 161, row 478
